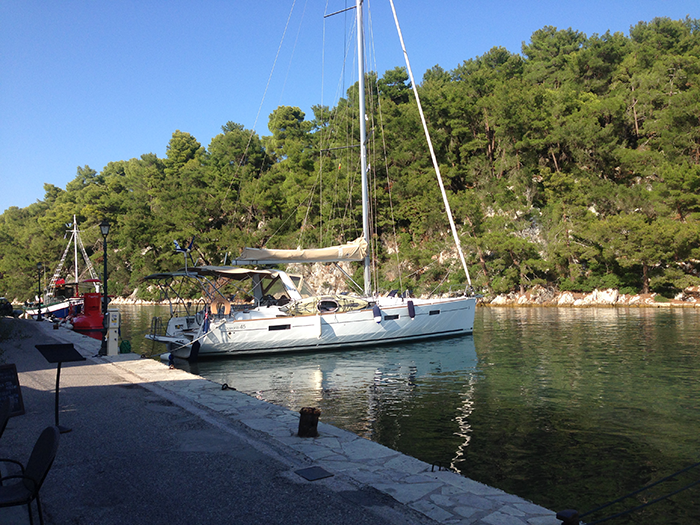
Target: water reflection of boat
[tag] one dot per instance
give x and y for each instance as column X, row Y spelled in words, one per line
column 383, row 393
column 383, row 371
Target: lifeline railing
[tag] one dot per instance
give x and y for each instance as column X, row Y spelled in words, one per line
column 572, row 517
column 157, row 328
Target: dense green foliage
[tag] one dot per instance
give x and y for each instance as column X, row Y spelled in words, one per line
column 575, row 165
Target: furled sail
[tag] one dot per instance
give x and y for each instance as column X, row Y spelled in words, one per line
column 353, row 251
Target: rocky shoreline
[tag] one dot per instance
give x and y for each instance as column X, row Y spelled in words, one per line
column 539, row 296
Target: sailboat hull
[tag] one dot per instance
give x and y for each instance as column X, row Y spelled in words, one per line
column 246, row 333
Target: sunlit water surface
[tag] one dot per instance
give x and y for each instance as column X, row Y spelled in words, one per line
column 567, row 407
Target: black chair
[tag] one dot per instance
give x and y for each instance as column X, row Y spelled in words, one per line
column 26, row 488
column 5, row 410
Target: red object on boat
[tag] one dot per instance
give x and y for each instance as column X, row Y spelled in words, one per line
column 89, row 322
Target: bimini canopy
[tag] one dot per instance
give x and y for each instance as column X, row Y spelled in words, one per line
column 167, row 275
column 353, row 251
column 262, row 280
column 230, row 272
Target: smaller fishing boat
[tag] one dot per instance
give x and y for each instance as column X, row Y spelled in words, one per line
column 62, row 299
column 61, row 303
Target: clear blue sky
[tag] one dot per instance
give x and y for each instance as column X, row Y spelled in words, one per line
column 90, row 82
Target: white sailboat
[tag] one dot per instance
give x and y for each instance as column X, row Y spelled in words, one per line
column 249, row 311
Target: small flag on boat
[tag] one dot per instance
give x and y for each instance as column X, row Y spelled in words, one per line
column 205, row 324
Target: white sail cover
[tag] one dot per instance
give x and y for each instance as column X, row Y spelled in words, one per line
column 353, row 251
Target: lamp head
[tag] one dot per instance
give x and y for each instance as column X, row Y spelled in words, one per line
column 104, row 227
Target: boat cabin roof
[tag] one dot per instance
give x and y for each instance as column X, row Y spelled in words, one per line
column 84, row 281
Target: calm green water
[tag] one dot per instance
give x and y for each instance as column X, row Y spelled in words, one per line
column 567, row 407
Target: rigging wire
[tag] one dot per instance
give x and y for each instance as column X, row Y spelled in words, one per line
column 320, row 141
column 348, row 164
column 324, row 138
column 374, row 205
column 262, row 101
column 430, row 146
column 325, row 133
column 294, row 47
column 348, row 161
column 289, row 217
column 432, row 292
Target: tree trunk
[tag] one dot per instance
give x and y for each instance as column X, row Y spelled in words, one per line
column 645, row 278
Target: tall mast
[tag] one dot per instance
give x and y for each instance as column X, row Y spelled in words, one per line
column 363, row 142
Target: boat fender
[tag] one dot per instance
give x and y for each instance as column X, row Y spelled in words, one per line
column 377, row 314
column 411, row 310
column 194, row 353
column 171, row 360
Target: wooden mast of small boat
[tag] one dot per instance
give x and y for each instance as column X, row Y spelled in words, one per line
column 363, row 144
column 75, row 254
column 75, row 238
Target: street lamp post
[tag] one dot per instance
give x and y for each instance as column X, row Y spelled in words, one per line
column 104, row 228
column 39, row 267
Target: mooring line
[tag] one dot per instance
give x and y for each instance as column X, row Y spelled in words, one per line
column 572, row 518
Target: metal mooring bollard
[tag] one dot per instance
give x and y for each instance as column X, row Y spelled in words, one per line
column 308, row 422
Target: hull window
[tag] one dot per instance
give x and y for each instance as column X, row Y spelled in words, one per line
column 279, row 327
column 434, row 312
